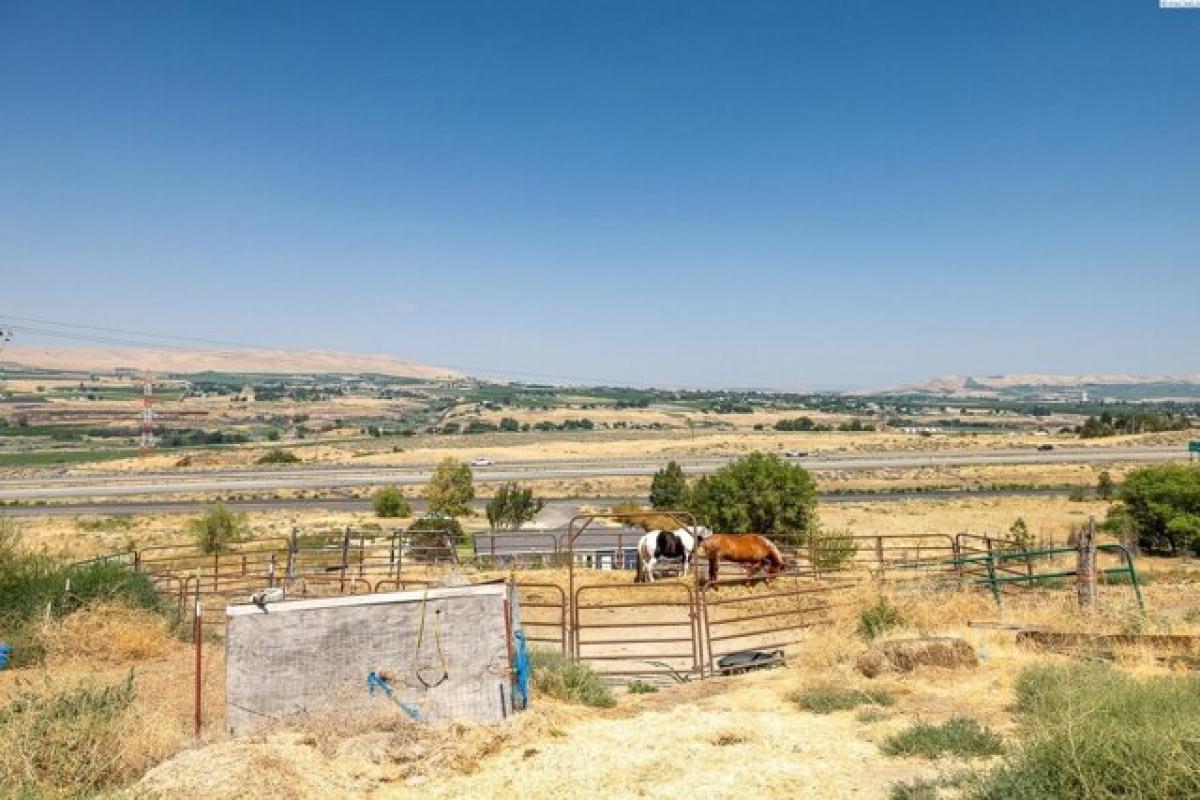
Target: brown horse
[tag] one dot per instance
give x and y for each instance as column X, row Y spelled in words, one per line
column 756, row 552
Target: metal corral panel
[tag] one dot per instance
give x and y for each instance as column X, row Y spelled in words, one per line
column 315, row 656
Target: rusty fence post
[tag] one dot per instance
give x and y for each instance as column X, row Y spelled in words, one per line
column 198, row 636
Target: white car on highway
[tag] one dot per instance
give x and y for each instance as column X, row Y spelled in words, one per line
column 482, row 461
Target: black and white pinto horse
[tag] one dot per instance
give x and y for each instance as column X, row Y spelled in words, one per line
column 677, row 544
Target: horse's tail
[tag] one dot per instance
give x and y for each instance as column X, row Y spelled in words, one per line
column 640, row 576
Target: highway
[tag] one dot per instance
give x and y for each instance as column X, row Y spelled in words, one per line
column 98, row 485
column 139, row 508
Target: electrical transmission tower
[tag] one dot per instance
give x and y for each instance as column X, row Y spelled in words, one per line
column 146, row 415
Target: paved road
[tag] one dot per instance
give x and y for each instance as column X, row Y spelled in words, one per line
column 265, row 480
column 557, row 512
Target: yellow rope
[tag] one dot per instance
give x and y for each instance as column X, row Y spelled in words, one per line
column 437, row 638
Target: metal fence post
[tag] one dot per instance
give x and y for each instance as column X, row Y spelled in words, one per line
column 991, row 572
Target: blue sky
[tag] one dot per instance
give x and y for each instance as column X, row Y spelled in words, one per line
column 784, row 194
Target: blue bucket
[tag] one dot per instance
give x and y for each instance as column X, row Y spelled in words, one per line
column 5, row 654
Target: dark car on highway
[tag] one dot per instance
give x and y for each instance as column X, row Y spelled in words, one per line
column 1045, row 447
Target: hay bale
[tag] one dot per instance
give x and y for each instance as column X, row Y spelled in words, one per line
column 905, row 655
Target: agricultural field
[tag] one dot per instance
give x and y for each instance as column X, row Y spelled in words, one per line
column 91, row 421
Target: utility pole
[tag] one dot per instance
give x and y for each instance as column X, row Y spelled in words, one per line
column 6, row 336
column 146, row 415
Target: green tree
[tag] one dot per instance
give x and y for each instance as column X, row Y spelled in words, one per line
column 512, row 507
column 278, row 456
column 758, row 493
column 435, row 530
column 509, row 425
column 1019, row 531
column 669, row 488
column 218, row 528
column 1105, row 489
column 273, row 435
column 451, row 489
column 1161, row 507
column 388, row 502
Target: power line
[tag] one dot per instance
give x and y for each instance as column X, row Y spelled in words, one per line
column 99, row 334
column 128, row 332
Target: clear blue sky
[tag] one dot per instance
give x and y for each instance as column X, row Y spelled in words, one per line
column 777, row 194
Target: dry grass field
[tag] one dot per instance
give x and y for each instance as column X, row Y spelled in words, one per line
column 728, row 736
column 1048, row 518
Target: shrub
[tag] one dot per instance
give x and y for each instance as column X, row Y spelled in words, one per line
column 278, row 455
column 430, row 531
column 832, row 549
column 555, row 675
column 218, row 528
column 1089, row 730
column 826, row 700
column 641, row 687
column 389, row 502
column 919, row 789
column 1019, row 531
column 34, row 586
column 797, row 424
column 62, row 744
column 961, row 736
column 876, row 620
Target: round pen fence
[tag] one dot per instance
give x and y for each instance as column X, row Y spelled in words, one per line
column 576, row 590
column 737, row 618
column 544, row 615
column 650, row 630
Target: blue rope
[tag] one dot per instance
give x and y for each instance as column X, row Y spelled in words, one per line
column 375, row 682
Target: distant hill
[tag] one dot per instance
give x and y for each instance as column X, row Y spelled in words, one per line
column 292, row 362
column 1115, row 386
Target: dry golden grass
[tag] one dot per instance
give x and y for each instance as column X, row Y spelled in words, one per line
column 724, row 729
column 1048, row 518
column 342, row 757
column 155, row 726
column 107, row 633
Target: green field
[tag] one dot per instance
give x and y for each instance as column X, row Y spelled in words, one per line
column 44, row 457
